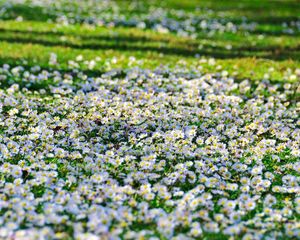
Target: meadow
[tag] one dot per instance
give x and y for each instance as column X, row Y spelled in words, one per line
column 149, row 119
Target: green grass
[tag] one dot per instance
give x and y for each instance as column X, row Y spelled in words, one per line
column 242, row 54
column 23, row 40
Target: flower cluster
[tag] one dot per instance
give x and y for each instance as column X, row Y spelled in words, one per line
column 161, row 19
column 140, row 154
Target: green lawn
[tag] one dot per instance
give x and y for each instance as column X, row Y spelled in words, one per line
column 243, row 54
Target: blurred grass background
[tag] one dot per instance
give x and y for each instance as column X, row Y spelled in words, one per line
column 245, row 54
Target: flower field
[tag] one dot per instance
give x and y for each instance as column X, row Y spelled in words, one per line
column 149, row 119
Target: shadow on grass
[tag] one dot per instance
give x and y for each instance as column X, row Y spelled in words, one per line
column 34, row 13
column 126, row 43
column 116, row 37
